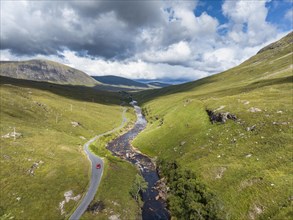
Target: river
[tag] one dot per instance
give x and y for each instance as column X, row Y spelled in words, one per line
column 152, row 208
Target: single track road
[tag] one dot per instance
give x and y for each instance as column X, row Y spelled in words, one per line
column 96, row 174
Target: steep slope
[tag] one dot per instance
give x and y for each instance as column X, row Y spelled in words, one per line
column 242, row 165
column 266, row 64
column 44, row 70
column 279, row 45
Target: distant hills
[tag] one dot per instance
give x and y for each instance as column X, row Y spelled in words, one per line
column 45, row 70
column 158, row 84
column 49, row 71
column 119, row 81
column 122, row 82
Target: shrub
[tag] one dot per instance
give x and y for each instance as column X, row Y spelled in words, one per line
column 139, row 186
column 188, row 197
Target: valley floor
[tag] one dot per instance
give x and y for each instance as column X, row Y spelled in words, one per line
column 44, row 171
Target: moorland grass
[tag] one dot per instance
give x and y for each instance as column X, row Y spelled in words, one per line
column 43, row 114
column 249, row 171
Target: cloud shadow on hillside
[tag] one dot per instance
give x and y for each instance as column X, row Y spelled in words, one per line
column 80, row 93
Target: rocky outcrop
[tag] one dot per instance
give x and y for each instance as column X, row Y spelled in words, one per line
column 36, row 165
column 254, row 109
column 13, row 134
column 67, row 197
column 221, row 117
column 96, row 207
column 75, row 124
column 162, row 188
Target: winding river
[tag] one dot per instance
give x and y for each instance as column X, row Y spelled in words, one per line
column 152, row 208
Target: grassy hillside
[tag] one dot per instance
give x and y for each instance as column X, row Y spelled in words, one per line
column 245, row 164
column 46, row 159
column 45, row 70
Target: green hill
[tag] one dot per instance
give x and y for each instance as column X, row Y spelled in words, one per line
column 232, row 169
column 42, row 132
column 45, row 70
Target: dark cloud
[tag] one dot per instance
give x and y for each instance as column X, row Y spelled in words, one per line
column 135, row 13
column 102, row 28
column 135, row 38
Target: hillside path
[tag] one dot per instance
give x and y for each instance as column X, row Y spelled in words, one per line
column 96, row 174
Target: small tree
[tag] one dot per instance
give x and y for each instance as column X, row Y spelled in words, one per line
column 139, row 186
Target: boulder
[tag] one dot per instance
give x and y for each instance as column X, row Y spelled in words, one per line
column 75, row 124
column 253, row 110
column 12, row 135
column 221, row 117
column 252, row 128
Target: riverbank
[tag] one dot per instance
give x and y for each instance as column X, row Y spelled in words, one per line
column 113, row 200
column 154, row 207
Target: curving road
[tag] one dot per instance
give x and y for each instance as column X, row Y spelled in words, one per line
column 96, row 174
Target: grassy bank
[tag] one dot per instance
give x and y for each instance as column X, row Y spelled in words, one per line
column 46, row 159
column 113, row 197
column 245, row 164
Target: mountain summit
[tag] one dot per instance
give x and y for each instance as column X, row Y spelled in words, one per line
column 278, row 45
column 44, row 70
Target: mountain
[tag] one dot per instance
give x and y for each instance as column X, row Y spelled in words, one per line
column 224, row 142
column 44, row 70
column 119, row 81
column 158, row 84
column 279, row 45
column 128, row 84
column 166, row 81
column 49, row 71
column 256, row 68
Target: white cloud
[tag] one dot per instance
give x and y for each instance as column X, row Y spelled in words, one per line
column 148, row 40
column 183, row 13
column 137, row 69
column 175, row 53
column 289, row 15
column 248, row 22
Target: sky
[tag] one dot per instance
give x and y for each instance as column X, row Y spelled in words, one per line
column 142, row 39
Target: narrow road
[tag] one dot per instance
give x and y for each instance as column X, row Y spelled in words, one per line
column 96, row 174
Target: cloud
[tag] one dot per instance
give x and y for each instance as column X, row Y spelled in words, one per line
column 174, row 54
column 133, row 13
column 289, row 15
column 248, row 25
column 98, row 28
column 137, row 69
column 136, row 39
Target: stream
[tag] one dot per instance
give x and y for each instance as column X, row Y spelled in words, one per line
column 121, row 147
